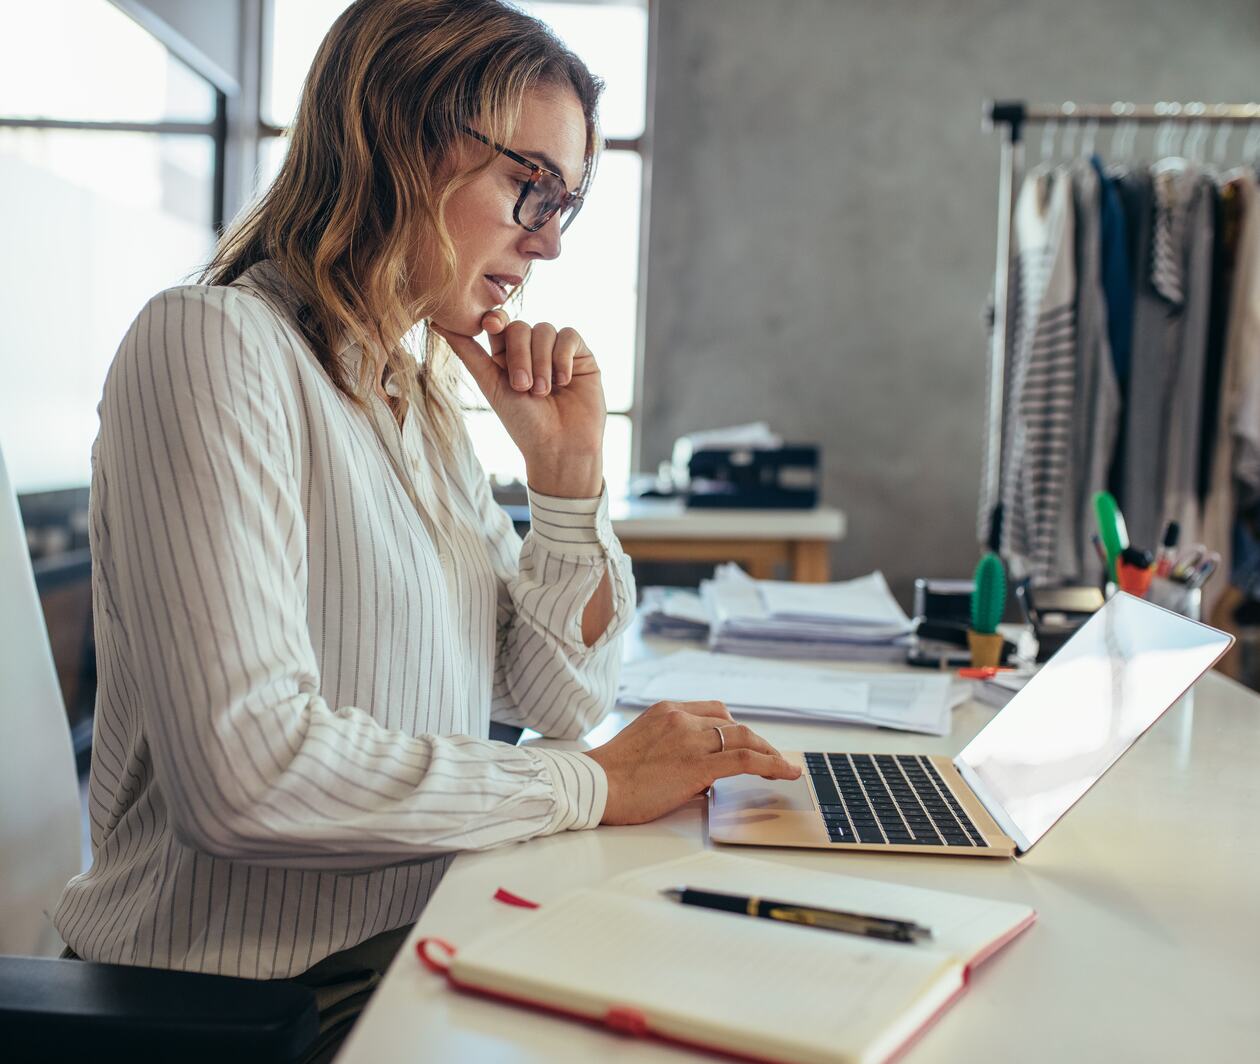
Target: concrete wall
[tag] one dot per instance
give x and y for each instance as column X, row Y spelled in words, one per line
column 824, row 217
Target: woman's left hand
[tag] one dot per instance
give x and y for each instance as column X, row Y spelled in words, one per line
column 544, row 385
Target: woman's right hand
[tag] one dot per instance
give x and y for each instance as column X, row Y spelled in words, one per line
column 672, row 753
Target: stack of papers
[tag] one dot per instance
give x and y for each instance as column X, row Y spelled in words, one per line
column 776, row 689
column 672, row 612
column 856, row 620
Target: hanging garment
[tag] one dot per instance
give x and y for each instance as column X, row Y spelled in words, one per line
column 1136, row 194
column 1097, row 401
column 1243, row 344
column 1228, row 228
column 1164, row 401
column 1117, row 274
column 1240, row 361
column 1042, row 375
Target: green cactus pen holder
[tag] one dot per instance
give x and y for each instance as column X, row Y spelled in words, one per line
column 988, row 602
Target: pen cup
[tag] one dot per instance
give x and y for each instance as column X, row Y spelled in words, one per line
column 1188, row 601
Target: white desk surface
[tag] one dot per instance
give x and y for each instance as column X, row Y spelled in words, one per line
column 670, row 519
column 1147, row 945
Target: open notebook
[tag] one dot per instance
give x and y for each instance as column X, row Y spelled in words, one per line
column 620, row 954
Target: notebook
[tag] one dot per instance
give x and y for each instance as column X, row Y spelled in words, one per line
column 621, row 955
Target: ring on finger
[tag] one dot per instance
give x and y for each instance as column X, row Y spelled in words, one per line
column 721, row 738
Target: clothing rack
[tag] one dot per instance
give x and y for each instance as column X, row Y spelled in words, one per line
column 1011, row 117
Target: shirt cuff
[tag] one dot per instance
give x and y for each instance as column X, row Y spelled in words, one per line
column 570, row 526
column 580, row 786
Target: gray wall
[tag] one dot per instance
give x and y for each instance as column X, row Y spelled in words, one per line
column 824, row 217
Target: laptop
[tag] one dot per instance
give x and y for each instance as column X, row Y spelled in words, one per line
column 1028, row 766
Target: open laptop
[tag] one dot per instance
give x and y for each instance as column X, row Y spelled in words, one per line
column 1070, row 723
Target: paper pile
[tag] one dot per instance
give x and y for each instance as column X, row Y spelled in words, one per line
column 917, row 702
column 855, row 620
column 673, row 612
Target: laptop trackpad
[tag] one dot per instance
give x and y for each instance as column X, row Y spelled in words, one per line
column 736, row 793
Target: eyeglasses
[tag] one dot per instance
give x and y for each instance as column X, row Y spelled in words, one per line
column 542, row 197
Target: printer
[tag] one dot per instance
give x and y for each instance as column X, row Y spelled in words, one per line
column 746, row 466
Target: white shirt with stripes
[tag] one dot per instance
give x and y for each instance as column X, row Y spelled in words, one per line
column 306, row 617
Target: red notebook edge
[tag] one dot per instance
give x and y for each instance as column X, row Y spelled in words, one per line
column 628, row 1020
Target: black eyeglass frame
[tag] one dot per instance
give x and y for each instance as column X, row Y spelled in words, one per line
column 571, row 199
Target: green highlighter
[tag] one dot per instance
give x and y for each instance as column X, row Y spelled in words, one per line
column 1111, row 527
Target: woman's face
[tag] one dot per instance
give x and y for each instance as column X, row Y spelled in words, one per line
column 492, row 251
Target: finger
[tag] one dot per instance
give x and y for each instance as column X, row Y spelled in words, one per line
column 751, row 762
column 542, row 341
column 495, row 323
column 568, row 343
column 474, row 357
column 519, row 357
column 706, row 709
column 742, row 737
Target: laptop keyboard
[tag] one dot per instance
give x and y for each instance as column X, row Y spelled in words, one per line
column 888, row 798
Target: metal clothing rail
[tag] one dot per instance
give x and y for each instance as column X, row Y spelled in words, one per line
column 1011, row 116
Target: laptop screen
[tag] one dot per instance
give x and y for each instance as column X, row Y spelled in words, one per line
column 1089, row 703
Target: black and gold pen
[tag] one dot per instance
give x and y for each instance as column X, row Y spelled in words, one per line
column 850, row 923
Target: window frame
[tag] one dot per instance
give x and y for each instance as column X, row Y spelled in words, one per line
column 223, row 84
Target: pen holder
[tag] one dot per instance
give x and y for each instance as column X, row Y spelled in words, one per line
column 1188, row 601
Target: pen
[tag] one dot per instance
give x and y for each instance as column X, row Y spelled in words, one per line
column 1096, row 540
column 1188, row 560
column 1111, row 527
column 1199, row 575
column 1167, row 549
column 806, row 915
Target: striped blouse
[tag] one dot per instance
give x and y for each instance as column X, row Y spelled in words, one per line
column 306, row 617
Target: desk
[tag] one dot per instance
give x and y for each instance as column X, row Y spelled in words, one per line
column 1147, row 945
column 664, row 530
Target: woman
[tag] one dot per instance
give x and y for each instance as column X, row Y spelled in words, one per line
column 308, row 605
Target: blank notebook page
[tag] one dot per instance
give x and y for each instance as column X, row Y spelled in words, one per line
column 711, row 977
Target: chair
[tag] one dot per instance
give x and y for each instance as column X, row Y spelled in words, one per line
column 53, row 1009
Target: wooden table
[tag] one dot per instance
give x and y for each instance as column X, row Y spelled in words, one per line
column 664, row 530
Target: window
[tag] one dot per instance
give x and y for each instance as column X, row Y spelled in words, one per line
column 108, row 163
column 593, row 286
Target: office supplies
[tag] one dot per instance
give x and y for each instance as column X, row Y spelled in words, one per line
column 1134, row 569
column 1202, row 570
column 1070, row 723
column 1167, row 549
column 622, row 956
column 1187, row 560
column 789, row 912
column 1055, row 613
column 756, row 687
column 1111, row 527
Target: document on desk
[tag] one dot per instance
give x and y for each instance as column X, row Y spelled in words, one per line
column 757, row 687
column 623, row 954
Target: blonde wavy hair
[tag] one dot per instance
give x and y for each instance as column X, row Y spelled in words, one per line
column 364, row 186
